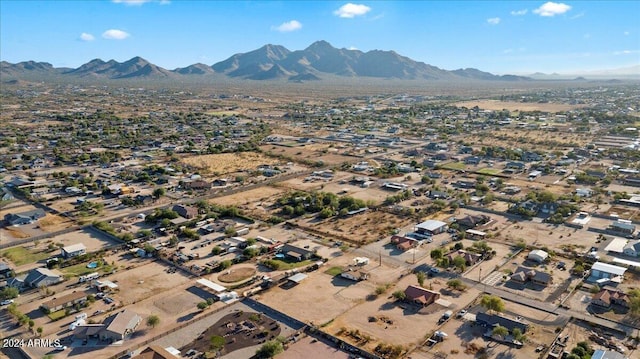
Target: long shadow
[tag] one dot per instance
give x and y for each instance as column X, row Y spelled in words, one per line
column 187, row 317
column 338, row 281
column 199, row 292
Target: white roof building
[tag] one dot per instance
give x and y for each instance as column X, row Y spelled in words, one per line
column 538, row 255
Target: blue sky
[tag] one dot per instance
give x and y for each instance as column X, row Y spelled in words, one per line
column 495, row 36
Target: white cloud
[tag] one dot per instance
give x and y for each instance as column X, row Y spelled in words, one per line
column 519, row 12
column 626, row 33
column 115, row 34
column 352, row 48
column 350, row 10
column 288, row 26
column 86, row 37
column 626, row 52
column 493, row 20
column 130, row 2
column 552, row 9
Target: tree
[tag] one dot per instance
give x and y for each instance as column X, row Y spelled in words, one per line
column 270, row 349
column 421, row 277
column 399, row 295
column 216, row 250
column 39, row 330
column 460, row 263
column 455, row 284
column 492, row 303
column 500, row 331
column 517, row 335
column 153, row 320
column 9, row 293
column 203, row 305
column 436, row 254
column 225, row 264
column 216, row 342
column 159, row 192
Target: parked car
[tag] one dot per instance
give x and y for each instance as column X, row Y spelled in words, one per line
column 59, row 348
column 6, row 302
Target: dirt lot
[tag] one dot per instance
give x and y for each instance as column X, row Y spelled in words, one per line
column 550, row 293
column 92, row 239
column 250, row 197
column 329, row 154
column 224, row 163
column 364, row 227
column 405, row 324
column 460, row 331
column 331, row 296
column 310, row 348
column 517, row 106
column 149, row 278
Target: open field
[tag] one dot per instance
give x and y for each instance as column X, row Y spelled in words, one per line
column 496, row 105
column 20, row 255
column 363, row 228
column 224, row 163
column 249, row 198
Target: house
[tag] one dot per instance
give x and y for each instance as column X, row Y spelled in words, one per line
column 518, row 166
column 158, row 352
column 197, row 184
column 73, row 250
column 584, row 192
column 632, row 248
column 531, row 156
column 404, row 243
column 623, row 226
column 143, row 199
column 470, row 222
column 632, row 181
column 66, row 301
column 42, row 277
column 5, row 271
column 114, row 328
column 469, row 258
column 187, row 212
column 510, row 190
column 431, row 227
column 538, row 255
column 472, row 160
column 523, row 275
column 119, row 325
column 296, row 253
column 421, row 295
column 493, row 320
column 607, row 354
column 433, row 194
column 600, row 272
column 464, row 184
column 608, row 296
column 27, row 217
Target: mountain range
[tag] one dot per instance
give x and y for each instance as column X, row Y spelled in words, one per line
column 270, row 62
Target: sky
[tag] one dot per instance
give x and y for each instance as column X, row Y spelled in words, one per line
column 501, row 37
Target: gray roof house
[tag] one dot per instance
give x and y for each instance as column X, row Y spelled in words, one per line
column 27, row 217
column 42, row 276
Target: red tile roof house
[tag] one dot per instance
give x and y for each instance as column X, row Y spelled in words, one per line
column 404, row 243
column 469, row 258
column 608, row 296
column 420, row 295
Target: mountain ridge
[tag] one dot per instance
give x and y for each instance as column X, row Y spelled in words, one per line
column 269, row 62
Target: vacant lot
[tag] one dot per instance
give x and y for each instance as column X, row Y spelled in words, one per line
column 383, row 320
column 517, row 106
column 224, row 163
column 331, row 297
column 364, row 228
